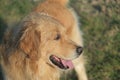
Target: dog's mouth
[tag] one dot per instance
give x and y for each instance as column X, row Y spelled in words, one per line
column 61, row 63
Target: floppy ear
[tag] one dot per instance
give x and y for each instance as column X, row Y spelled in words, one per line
column 30, row 42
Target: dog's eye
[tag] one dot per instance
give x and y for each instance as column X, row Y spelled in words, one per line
column 57, row 37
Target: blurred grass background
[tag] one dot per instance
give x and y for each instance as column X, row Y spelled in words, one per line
column 100, row 21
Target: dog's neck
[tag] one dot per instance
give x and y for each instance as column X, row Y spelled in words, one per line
column 33, row 70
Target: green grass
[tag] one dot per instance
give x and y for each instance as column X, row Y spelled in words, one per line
column 101, row 28
column 13, row 11
column 102, row 40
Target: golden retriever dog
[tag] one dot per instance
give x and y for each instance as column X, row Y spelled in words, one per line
column 44, row 44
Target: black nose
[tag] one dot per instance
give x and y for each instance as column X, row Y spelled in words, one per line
column 79, row 50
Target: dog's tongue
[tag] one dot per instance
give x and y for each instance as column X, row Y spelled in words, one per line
column 67, row 63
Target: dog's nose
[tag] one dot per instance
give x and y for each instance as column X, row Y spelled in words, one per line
column 79, row 50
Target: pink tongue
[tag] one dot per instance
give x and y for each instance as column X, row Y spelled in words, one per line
column 67, row 63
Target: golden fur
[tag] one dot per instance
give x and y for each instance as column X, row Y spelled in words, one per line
column 26, row 48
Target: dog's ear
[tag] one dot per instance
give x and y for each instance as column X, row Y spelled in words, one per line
column 30, row 41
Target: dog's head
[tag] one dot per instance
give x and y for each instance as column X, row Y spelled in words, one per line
column 48, row 41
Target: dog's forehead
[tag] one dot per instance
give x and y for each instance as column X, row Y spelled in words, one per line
column 50, row 27
column 44, row 22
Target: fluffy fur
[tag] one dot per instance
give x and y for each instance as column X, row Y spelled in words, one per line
column 26, row 48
